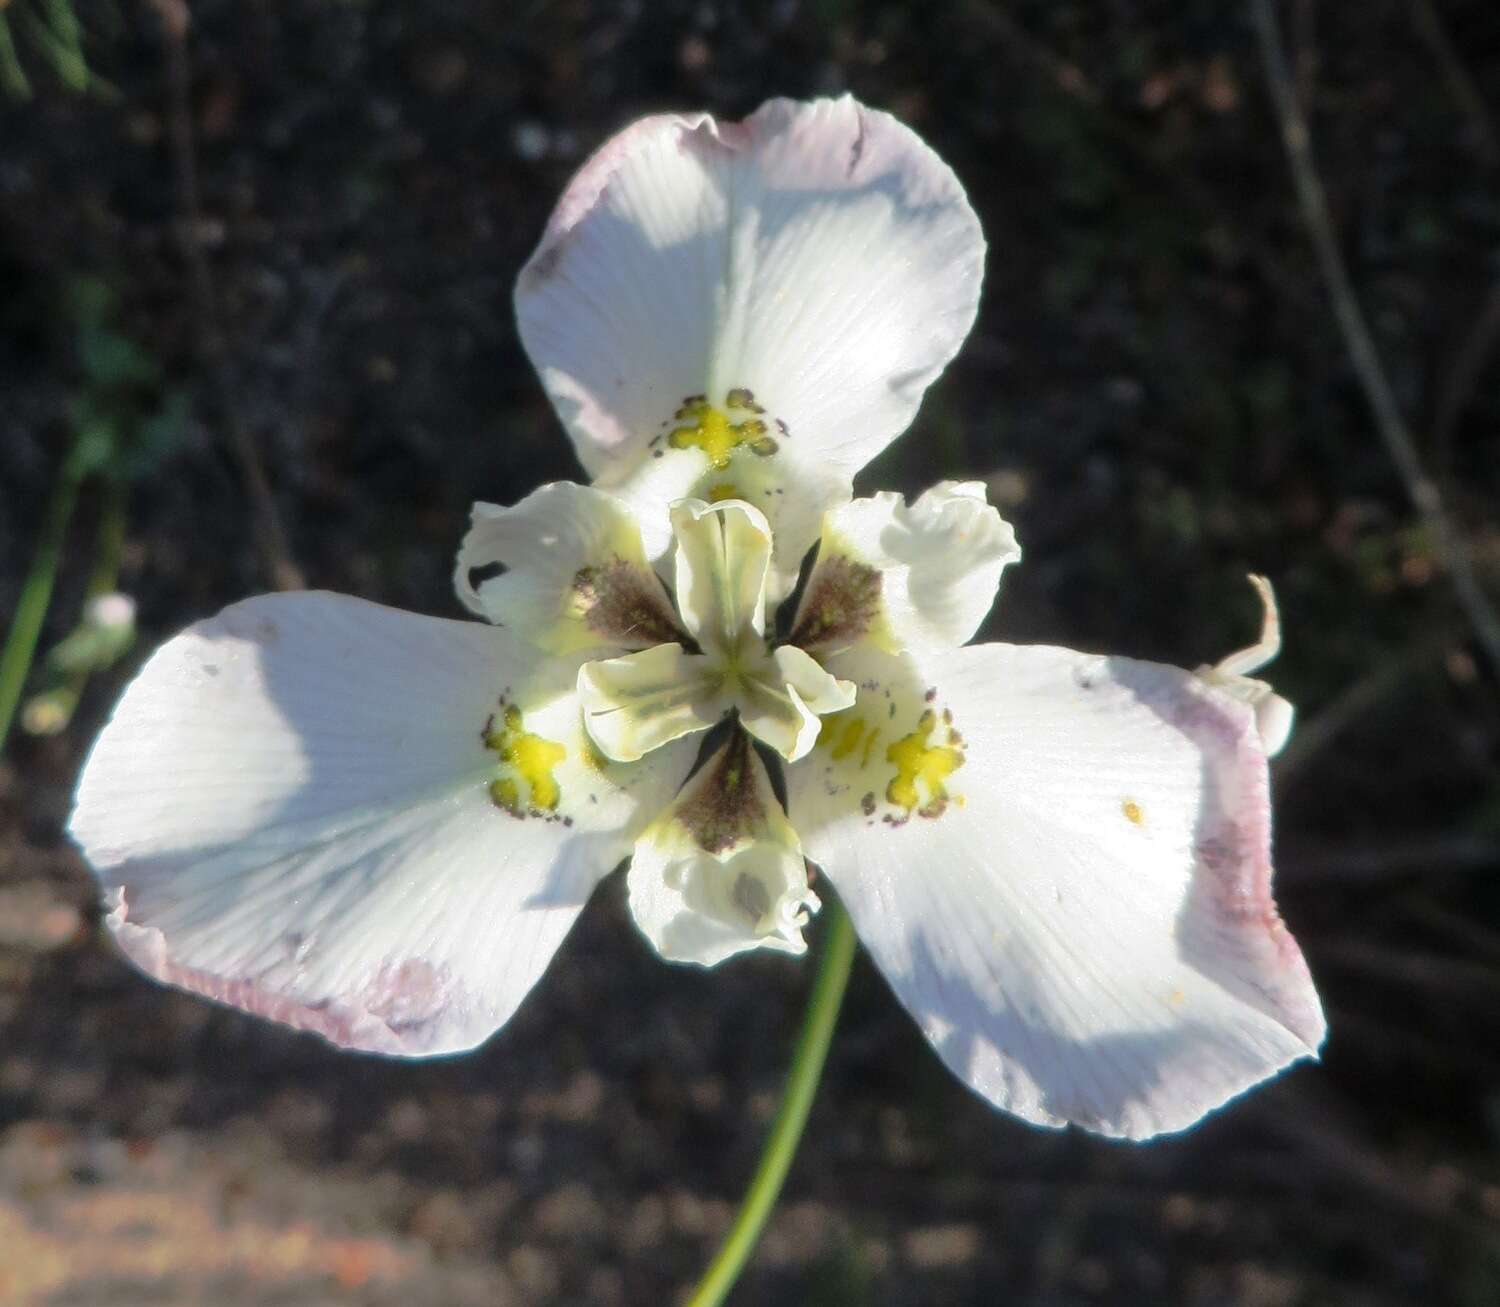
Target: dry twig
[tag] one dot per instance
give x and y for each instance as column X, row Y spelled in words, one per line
column 1392, row 674
column 1461, row 87
column 1361, row 347
column 1463, row 377
column 1071, row 82
column 1421, row 857
column 276, row 557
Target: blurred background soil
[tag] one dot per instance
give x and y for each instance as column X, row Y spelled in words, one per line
column 1156, row 395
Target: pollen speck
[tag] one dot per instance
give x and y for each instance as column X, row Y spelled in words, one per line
column 1132, row 810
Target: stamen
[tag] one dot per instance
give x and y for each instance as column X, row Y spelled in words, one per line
column 920, row 763
column 716, row 432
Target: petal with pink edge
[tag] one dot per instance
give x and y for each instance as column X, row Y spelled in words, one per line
column 1061, row 862
column 750, row 310
column 360, row 822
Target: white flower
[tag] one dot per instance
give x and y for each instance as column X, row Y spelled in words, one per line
column 379, row 826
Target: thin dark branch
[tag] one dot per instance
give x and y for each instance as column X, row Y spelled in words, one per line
column 1304, row 31
column 1461, row 87
column 281, row 570
column 1463, row 378
column 1359, row 343
column 1070, row 81
column 1327, row 1135
column 1422, row 857
column 1392, row 674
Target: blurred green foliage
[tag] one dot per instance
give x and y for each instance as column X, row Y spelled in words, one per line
column 124, row 419
column 56, row 39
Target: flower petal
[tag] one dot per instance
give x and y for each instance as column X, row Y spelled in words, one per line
column 817, row 257
column 1061, row 863
column 638, row 703
column 357, row 821
column 723, row 552
column 781, row 700
column 575, row 577
column 917, row 579
column 721, row 872
column 1273, row 714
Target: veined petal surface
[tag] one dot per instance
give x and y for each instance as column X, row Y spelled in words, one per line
column 360, row 822
column 1061, row 862
column 757, row 304
column 641, row 701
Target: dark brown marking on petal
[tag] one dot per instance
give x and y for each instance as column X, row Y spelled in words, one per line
column 625, row 606
column 842, row 599
column 726, row 805
column 867, row 803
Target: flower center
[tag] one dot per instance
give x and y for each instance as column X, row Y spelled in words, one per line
column 642, row 701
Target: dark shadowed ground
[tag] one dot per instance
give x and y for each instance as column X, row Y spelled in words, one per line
column 1158, row 398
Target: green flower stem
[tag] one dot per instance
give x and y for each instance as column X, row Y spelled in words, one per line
column 796, row 1102
column 50, row 712
column 26, row 625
